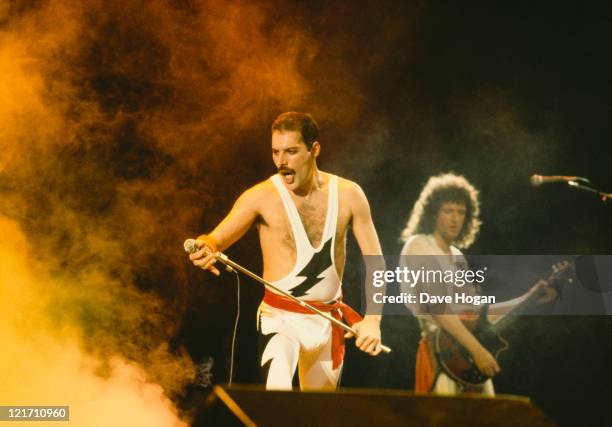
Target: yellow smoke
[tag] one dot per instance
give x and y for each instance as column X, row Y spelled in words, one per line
column 110, row 111
column 41, row 364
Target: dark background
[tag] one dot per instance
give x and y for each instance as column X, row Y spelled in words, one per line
column 495, row 93
column 166, row 109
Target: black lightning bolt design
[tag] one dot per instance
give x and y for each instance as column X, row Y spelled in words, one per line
column 319, row 262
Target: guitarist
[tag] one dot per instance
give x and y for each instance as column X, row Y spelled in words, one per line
column 445, row 218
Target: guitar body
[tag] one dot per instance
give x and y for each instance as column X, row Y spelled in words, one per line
column 456, row 361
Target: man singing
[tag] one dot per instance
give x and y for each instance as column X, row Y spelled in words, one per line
column 302, row 216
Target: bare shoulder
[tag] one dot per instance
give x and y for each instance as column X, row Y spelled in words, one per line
column 416, row 245
column 354, row 198
column 350, row 190
column 258, row 195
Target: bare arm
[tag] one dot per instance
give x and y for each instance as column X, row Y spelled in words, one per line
column 239, row 220
column 368, row 330
column 542, row 293
column 233, row 227
column 363, row 227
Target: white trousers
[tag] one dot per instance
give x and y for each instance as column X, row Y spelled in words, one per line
column 446, row 385
column 296, row 339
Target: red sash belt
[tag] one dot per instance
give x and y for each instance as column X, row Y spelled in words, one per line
column 338, row 310
column 424, row 370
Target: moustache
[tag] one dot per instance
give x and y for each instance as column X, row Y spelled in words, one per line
column 285, row 171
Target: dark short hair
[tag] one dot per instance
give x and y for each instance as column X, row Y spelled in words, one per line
column 298, row 122
column 441, row 189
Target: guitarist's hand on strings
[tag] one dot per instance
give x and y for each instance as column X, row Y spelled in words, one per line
column 205, row 256
column 547, row 292
column 549, row 289
column 485, row 362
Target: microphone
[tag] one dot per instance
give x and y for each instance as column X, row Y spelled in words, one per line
column 537, row 180
column 191, row 246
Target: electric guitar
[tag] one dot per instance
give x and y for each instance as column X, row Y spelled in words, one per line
column 456, row 360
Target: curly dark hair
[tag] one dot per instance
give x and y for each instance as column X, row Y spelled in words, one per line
column 441, row 189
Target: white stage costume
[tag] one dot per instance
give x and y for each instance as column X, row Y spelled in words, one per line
column 292, row 338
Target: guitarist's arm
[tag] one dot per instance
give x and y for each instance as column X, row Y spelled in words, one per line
column 484, row 361
column 541, row 293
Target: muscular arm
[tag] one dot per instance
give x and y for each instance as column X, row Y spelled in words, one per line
column 363, row 227
column 233, row 227
column 368, row 330
column 239, row 220
column 365, row 234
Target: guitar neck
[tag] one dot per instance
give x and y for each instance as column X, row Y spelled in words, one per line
column 522, row 307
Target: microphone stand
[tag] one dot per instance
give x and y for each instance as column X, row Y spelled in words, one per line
column 221, row 257
column 604, row 196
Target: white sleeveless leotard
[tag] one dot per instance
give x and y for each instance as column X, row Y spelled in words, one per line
column 314, row 276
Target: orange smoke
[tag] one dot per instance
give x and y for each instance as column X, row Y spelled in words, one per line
column 111, row 116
